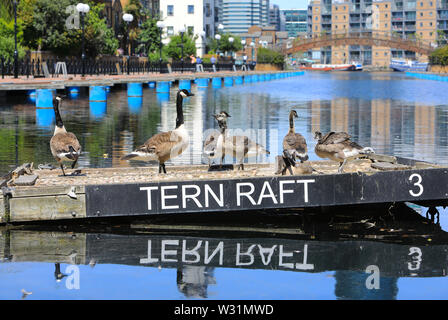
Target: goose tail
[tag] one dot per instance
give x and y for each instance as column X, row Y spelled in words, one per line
column 129, row 156
column 367, row 150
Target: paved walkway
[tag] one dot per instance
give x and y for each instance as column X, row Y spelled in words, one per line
column 24, row 83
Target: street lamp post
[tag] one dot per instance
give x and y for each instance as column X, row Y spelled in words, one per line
column 160, row 25
column 202, row 34
column 252, row 44
column 16, row 53
column 127, row 17
column 83, row 9
column 243, row 43
column 182, row 32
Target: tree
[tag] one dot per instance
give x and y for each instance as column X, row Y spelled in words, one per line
column 149, row 37
column 224, row 45
column 45, row 27
column 439, row 56
column 100, row 39
column 173, row 49
column 265, row 55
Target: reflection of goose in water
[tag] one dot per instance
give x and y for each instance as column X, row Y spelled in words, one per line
column 337, row 146
column 58, row 275
column 193, row 281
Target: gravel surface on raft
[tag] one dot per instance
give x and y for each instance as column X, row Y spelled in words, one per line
column 184, row 173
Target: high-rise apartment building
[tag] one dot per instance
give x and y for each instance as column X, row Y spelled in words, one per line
column 239, row 15
column 425, row 20
column 194, row 15
column 274, row 16
column 295, row 22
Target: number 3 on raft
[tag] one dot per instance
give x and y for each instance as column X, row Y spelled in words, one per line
column 417, row 184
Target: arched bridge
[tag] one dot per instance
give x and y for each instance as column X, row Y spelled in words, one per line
column 380, row 39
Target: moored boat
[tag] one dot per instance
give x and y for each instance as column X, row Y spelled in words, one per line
column 402, row 65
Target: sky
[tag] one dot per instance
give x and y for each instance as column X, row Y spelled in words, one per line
column 291, row 4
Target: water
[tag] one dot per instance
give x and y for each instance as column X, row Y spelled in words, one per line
column 387, row 111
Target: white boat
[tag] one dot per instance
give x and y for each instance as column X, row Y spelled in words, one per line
column 408, row 65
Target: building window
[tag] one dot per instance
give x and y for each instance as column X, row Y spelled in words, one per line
column 170, row 10
column 421, row 14
column 170, row 30
column 208, row 12
column 386, row 7
column 385, row 53
column 421, row 24
column 430, row 24
column 385, row 15
column 421, row 4
column 385, row 25
column 190, row 9
column 430, row 34
column 430, row 3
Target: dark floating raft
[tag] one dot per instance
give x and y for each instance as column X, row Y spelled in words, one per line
column 131, row 191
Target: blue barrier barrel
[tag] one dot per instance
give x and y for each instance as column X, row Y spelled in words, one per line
column 135, row 89
column 202, row 82
column 44, row 117
column 97, row 93
column 151, row 84
column 255, row 78
column 248, row 79
column 185, row 84
column 32, row 93
column 73, row 90
column 163, row 87
column 135, row 104
column 44, row 98
column 98, row 109
column 262, row 77
column 238, row 80
column 228, row 81
column 162, row 97
column 216, row 82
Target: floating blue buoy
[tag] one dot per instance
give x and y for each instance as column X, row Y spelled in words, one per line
column 98, row 109
column 135, row 104
column 216, row 82
column 135, row 89
column 163, row 87
column 97, row 93
column 202, row 82
column 185, row 84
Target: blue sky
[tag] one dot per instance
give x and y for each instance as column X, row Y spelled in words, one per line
column 291, row 4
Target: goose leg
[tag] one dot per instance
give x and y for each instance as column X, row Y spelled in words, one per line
column 62, row 168
column 341, row 167
column 164, row 169
column 160, row 168
column 74, row 163
column 222, row 159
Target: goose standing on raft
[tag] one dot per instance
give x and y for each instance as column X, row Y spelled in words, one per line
column 337, row 146
column 64, row 145
column 240, row 147
column 164, row 146
column 294, row 144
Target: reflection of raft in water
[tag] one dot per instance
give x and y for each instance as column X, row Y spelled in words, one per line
column 316, row 244
column 141, row 191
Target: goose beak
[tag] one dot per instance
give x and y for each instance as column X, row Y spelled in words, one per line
column 190, row 94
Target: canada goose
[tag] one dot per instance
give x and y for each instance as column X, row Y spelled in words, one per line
column 64, row 145
column 337, row 146
column 294, row 144
column 239, row 146
column 165, row 145
column 210, row 143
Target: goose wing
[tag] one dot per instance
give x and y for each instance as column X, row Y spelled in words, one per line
column 296, row 142
column 65, row 144
column 335, row 137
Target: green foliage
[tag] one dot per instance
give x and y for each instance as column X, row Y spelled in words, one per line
column 6, row 10
column 7, row 48
column 224, row 44
column 149, row 37
column 100, row 39
column 45, row 27
column 173, row 49
column 154, row 56
column 439, row 56
column 265, row 55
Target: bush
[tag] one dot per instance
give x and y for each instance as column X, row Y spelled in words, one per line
column 7, row 48
column 265, row 55
column 439, row 56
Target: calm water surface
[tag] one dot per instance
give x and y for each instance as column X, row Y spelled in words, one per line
column 387, row 111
